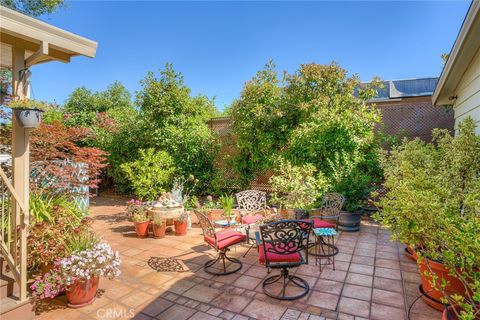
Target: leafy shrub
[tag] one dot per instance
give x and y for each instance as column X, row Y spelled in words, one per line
column 176, row 122
column 150, row 174
column 316, row 116
column 433, row 201
column 55, row 220
column 296, row 186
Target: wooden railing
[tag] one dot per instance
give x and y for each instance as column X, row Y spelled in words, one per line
column 14, row 233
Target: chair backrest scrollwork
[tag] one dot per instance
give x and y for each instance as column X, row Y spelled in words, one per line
column 206, row 225
column 285, row 237
column 251, row 200
column 332, row 204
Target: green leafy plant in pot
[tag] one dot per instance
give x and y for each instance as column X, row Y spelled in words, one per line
column 433, row 204
column 159, row 226
column 141, row 222
column 227, row 202
column 28, row 112
column 296, row 188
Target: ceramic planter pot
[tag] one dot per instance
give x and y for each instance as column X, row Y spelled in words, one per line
column 180, row 228
column 141, row 228
column 82, row 293
column 431, row 296
column 28, row 118
column 159, row 231
column 349, row 221
column 293, row 214
column 215, row 214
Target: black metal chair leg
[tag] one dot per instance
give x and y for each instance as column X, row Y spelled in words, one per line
column 222, row 255
column 286, row 278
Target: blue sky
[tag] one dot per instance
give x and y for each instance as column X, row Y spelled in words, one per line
column 220, row 45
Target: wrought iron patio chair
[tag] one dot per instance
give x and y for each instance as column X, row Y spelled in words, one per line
column 328, row 214
column 283, row 245
column 221, row 242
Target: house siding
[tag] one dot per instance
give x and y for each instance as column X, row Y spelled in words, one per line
column 467, row 103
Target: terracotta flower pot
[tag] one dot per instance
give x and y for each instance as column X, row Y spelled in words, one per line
column 141, row 228
column 159, row 231
column 432, row 296
column 82, row 293
column 180, row 228
column 215, row 214
column 410, row 253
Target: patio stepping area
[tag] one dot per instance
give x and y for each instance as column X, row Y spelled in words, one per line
column 164, row 279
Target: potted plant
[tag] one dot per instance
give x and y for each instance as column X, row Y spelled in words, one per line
column 296, row 188
column 227, row 202
column 137, row 212
column 141, row 222
column 181, row 224
column 355, row 186
column 28, row 112
column 159, row 227
column 432, row 205
column 79, row 274
column 212, row 208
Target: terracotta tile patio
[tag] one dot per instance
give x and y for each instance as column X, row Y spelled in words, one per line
column 372, row 280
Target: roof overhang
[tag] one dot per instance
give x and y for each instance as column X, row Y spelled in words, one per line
column 41, row 41
column 466, row 46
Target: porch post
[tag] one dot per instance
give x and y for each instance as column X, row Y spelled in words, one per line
column 21, row 161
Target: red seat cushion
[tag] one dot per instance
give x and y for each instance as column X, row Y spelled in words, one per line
column 252, row 218
column 226, row 238
column 319, row 223
column 275, row 257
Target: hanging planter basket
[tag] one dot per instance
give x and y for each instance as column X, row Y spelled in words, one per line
column 28, row 118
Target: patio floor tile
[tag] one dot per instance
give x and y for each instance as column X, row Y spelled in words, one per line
column 382, row 312
column 264, row 311
column 323, row 300
column 157, row 306
column 176, row 312
column 361, row 268
column 354, row 307
column 231, row 302
column 388, row 298
column 247, row 282
column 329, row 286
column 388, row 273
column 202, row 293
column 388, row 284
column 359, row 279
column 357, row 292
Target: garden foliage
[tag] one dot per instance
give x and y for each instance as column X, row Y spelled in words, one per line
column 318, row 116
column 150, row 174
column 433, row 203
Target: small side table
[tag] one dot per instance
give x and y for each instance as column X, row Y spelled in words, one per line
column 325, row 249
column 224, row 223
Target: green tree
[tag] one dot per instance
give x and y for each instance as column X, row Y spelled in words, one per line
column 260, row 122
column 33, row 7
column 176, row 122
column 83, row 105
column 317, row 115
column 150, row 174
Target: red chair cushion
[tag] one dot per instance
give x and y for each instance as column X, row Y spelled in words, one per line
column 275, row 257
column 319, row 223
column 252, row 218
column 226, row 238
